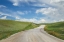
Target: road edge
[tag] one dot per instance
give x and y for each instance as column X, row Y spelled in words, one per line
column 42, row 30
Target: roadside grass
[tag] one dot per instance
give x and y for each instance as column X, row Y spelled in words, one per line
column 56, row 29
column 9, row 27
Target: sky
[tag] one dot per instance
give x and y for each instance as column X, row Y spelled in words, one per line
column 37, row 11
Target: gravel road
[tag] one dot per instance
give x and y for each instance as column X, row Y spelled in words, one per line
column 34, row 35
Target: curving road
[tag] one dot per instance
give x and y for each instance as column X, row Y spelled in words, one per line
column 34, row 35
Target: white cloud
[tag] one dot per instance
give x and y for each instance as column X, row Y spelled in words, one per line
column 61, row 20
column 2, row 13
column 15, row 2
column 40, row 5
column 35, row 2
column 2, row 6
column 56, row 13
column 3, row 17
column 53, row 1
column 12, row 13
column 49, row 12
column 53, row 13
column 31, row 20
column 46, row 10
column 17, row 18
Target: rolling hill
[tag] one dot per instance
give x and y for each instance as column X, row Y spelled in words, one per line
column 56, row 29
column 9, row 27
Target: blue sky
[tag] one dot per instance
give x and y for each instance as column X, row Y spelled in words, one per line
column 37, row 11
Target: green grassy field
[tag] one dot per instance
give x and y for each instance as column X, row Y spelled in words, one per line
column 9, row 27
column 56, row 29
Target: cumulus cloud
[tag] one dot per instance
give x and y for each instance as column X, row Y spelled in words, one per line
column 53, row 13
column 49, row 10
column 56, row 13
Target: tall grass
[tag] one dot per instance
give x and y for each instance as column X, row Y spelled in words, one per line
column 9, row 27
column 56, row 29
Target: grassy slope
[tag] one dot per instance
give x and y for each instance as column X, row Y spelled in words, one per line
column 9, row 27
column 56, row 29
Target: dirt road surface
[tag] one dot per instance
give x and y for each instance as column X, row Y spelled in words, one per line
column 34, row 35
